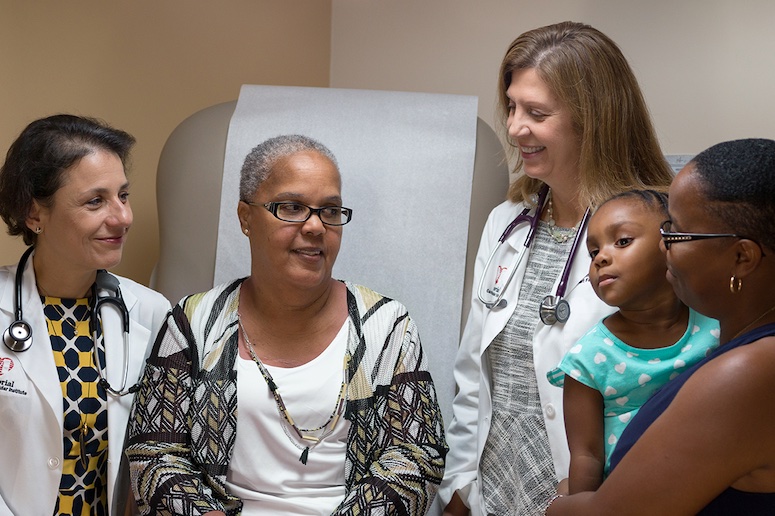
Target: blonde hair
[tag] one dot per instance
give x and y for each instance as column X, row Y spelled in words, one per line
column 590, row 75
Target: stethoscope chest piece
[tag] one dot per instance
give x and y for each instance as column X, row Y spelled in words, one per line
column 554, row 309
column 18, row 336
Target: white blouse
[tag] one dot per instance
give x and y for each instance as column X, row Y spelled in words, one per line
column 265, row 471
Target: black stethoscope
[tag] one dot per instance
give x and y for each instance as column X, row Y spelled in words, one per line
column 553, row 308
column 18, row 336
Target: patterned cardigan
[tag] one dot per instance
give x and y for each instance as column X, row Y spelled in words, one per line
column 184, row 418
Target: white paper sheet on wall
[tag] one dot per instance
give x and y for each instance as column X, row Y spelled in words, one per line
column 678, row 161
column 407, row 162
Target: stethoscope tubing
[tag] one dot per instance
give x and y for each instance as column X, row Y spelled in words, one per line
column 107, row 282
column 560, row 292
column 569, row 262
column 18, row 336
column 522, row 217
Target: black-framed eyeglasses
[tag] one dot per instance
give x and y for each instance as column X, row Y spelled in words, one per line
column 671, row 237
column 298, row 212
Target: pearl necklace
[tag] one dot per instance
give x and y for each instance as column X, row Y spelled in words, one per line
column 559, row 236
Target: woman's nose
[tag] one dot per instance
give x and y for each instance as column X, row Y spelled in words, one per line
column 517, row 128
column 314, row 224
column 121, row 214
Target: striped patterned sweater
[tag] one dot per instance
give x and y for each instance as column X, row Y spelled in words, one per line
column 184, row 418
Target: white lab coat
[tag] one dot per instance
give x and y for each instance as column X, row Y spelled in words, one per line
column 472, row 406
column 31, row 412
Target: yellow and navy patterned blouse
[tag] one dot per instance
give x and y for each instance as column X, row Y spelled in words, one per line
column 83, row 487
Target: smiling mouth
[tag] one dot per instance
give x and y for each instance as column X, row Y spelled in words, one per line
column 308, row 252
column 112, row 239
column 531, row 150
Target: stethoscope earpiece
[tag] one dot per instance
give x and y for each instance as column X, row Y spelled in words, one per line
column 18, row 336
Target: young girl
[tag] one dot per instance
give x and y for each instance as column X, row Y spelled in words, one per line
column 626, row 357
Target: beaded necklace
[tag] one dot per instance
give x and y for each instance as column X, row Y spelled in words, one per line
column 311, row 437
column 559, row 236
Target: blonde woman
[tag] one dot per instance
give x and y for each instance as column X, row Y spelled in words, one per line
column 575, row 117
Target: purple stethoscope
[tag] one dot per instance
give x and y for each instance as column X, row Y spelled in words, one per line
column 553, row 308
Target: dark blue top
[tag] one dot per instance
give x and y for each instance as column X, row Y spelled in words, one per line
column 731, row 501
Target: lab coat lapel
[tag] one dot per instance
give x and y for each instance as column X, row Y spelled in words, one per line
column 38, row 360
column 498, row 317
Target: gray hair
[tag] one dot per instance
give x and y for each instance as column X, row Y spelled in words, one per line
column 264, row 156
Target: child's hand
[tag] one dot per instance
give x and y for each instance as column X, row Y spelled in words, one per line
column 562, row 487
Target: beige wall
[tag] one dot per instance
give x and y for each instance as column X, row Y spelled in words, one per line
column 144, row 66
column 707, row 67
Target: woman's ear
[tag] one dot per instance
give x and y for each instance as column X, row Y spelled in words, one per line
column 35, row 217
column 243, row 213
column 749, row 256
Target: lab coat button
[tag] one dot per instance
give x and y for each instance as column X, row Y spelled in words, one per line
column 549, row 411
column 53, row 463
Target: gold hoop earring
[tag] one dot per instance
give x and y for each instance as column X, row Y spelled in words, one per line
column 735, row 284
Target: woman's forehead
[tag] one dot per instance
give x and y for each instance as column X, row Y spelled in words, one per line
column 687, row 201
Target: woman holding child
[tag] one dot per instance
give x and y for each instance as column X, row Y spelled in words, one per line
column 652, row 337
column 704, row 443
